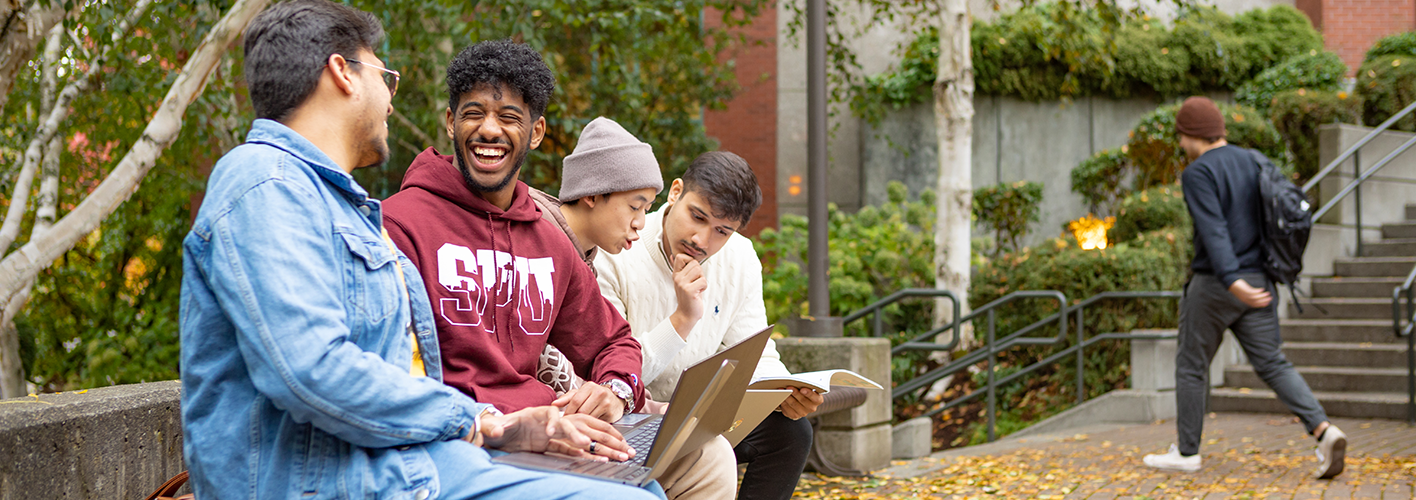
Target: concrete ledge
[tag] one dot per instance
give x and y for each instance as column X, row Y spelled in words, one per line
column 860, row 449
column 912, row 438
column 1124, row 406
column 867, row 356
column 115, row 442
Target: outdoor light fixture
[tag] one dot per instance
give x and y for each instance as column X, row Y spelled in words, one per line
column 1091, row 231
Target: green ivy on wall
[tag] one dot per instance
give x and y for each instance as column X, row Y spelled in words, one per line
column 1056, row 51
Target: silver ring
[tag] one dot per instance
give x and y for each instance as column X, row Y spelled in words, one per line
column 592, row 447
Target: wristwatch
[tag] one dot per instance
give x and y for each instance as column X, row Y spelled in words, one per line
column 622, row 391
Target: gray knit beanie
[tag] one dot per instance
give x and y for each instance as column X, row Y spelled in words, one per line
column 608, row 159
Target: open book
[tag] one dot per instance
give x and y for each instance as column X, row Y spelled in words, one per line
column 820, row 381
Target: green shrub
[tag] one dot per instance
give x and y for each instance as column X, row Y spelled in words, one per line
column 1297, row 114
column 1154, row 146
column 874, row 252
column 1387, row 84
column 1098, row 179
column 1152, row 156
column 1400, row 44
column 1008, row 209
column 1157, row 208
column 1316, row 70
column 1051, row 51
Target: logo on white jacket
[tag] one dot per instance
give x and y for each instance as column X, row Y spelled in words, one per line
column 473, row 277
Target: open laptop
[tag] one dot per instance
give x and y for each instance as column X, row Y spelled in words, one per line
column 703, row 405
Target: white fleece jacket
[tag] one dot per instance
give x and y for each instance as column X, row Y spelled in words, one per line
column 639, row 283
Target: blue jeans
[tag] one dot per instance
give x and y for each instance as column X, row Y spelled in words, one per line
column 465, row 472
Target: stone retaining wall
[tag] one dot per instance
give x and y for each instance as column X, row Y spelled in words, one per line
column 110, row 443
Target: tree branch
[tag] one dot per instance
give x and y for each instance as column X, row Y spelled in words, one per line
column 24, row 28
column 427, row 141
column 19, row 201
column 23, row 264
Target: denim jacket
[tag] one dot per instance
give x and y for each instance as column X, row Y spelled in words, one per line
column 295, row 345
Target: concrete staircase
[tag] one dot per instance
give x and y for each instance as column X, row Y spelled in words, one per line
column 1349, row 355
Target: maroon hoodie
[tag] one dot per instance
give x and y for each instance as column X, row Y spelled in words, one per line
column 502, row 284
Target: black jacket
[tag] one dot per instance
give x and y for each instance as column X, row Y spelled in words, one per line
column 1222, row 194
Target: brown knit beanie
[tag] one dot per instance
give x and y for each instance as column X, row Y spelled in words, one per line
column 1199, row 117
column 608, row 159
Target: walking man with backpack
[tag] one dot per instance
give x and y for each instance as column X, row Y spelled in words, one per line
column 1230, row 288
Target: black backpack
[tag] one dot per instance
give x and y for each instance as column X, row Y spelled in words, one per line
column 1288, row 220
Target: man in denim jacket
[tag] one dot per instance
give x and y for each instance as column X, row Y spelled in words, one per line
column 309, row 365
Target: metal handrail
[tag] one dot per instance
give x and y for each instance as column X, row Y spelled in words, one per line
column 1405, row 331
column 995, row 345
column 878, row 307
column 1359, row 176
column 1362, row 178
column 1312, row 183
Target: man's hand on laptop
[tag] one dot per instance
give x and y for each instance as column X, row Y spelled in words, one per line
column 594, row 400
column 801, row 403
column 604, row 443
column 542, row 428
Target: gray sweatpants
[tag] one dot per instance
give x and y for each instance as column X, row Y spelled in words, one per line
column 1208, row 309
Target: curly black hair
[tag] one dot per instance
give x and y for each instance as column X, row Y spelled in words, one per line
column 498, row 63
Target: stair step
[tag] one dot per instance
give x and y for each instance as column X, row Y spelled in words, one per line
column 1374, row 266
column 1365, row 286
column 1342, row 308
column 1338, row 330
column 1411, row 212
column 1390, row 247
column 1364, row 354
column 1399, row 230
column 1391, row 405
column 1326, row 378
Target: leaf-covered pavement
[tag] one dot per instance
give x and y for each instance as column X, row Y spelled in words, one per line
column 1246, row 456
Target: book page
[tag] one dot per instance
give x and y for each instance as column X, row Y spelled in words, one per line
column 820, row 381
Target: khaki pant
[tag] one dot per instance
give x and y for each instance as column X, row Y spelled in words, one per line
column 707, row 473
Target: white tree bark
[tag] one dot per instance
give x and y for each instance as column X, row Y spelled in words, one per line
column 953, row 116
column 49, row 126
column 12, row 382
column 21, row 31
column 18, row 268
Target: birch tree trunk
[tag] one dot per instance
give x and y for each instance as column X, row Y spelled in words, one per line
column 12, row 381
column 19, row 268
column 21, row 30
column 953, row 117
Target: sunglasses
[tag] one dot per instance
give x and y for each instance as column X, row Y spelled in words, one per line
column 390, row 77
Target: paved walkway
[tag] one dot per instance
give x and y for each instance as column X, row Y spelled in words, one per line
column 1246, row 456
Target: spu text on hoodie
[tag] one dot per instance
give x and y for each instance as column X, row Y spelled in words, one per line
column 502, row 285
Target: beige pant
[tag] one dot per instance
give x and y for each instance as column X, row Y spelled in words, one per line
column 709, row 472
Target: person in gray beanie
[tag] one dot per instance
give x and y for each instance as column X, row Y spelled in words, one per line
column 607, row 186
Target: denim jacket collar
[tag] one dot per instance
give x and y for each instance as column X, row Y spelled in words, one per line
column 276, row 134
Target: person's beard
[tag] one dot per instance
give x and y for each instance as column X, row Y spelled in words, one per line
column 484, row 188
column 377, row 146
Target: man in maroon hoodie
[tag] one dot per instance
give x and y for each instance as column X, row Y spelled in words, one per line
column 502, row 281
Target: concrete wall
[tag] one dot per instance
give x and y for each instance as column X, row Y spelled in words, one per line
column 112, row 443
column 1013, row 140
column 1385, row 194
column 852, row 143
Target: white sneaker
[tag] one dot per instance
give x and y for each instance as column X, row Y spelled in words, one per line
column 1331, row 451
column 1173, row 460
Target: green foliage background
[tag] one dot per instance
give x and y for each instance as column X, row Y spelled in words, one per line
column 106, row 312
column 1052, row 51
column 1317, row 70
column 1298, row 113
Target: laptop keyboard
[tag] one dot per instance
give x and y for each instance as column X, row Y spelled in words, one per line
column 612, row 470
column 642, row 439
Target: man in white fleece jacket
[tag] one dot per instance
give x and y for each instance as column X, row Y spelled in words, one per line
column 692, row 288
